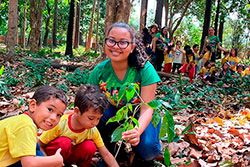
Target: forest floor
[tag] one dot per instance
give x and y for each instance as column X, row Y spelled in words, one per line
column 219, row 133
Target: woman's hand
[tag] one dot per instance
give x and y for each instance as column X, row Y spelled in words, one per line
column 132, row 136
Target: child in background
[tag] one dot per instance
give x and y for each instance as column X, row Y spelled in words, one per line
column 197, row 57
column 188, row 69
column 76, row 134
column 168, row 58
column 18, row 142
column 233, row 60
column 225, row 58
column 246, row 71
column 207, row 55
column 179, row 57
column 240, row 69
column 225, row 70
column 207, row 72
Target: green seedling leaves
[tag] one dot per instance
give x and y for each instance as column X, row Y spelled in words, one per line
column 166, row 157
column 136, row 122
column 117, row 134
column 154, row 104
column 167, row 126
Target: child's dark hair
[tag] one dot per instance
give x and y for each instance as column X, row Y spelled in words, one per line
column 195, row 45
column 170, row 48
column 90, row 96
column 44, row 93
column 137, row 58
column 209, row 48
column 236, row 52
column 188, row 52
column 207, row 63
column 240, row 65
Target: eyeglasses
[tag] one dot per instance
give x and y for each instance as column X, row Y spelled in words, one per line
column 121, row 44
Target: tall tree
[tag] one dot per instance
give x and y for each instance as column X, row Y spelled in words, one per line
column 69, row 50
column 144, row 6
column 23, row 25
column 12, row 30
column 47, row 24
column 206, row 23
column 36, row 13
column 158, row 12
column 91, row 27
column 117, row 11
column 217, row 17
column 54, row 28
column 175, row 11
column 97, row 24
column 77, row 25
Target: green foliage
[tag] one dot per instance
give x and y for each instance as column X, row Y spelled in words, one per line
column 77, row 78
column 3, row 86
column 36, row 74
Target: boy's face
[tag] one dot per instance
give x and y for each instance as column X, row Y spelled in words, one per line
column 46, row 115
column 88, row 119
column 196, row 48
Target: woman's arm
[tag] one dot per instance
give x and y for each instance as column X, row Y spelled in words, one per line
column 154, row 44
column 147, row 94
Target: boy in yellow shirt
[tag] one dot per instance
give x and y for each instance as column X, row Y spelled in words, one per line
column 76, row 134
column 233, row 60
column 18, row 141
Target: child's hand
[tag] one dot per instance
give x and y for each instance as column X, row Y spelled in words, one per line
column 132, row 136
column 59, row 159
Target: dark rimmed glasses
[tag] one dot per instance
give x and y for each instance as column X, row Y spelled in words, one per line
column 121, row 44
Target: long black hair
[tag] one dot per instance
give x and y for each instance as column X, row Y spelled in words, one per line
column 137, row 58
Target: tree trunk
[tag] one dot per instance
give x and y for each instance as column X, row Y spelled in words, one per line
column 91, row 27
column 97, row 25
column 12, row 32
column 54, row 28
column 47, row 25
column 217, row 17
column 166, row 12
column 158, row 12
column 206, row 23
column 69, row 50
column 117, row 11
column 36, row 13
column 77, row 26
column 144, row 5
column 221, row 27
column 24, row 26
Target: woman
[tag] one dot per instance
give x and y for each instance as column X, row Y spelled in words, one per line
column 160, row 42
column 127, row 63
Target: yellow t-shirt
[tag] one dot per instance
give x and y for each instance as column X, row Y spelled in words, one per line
column 203, row 71
column 245, row 72
column 232, row 61
column 197, row 56
column 207, row 56
column 64, row 128
column 190, row 58
column 168, row 58
column 224, row 60
column 18, row 138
